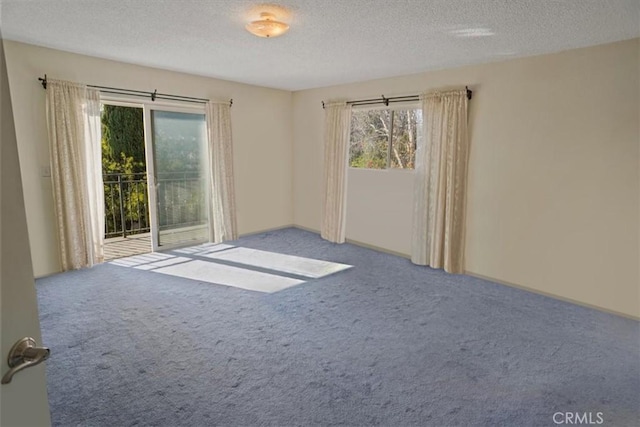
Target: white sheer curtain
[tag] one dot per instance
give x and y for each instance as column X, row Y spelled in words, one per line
column 223, row 224
column 336, row 153
column 73, row 121
column 440, row 182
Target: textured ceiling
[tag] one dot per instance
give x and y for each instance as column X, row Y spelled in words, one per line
column 330, row 41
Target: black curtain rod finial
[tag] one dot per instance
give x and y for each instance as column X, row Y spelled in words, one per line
column 469, row 93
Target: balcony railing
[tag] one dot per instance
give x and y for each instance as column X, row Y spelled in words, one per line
column 180, row 198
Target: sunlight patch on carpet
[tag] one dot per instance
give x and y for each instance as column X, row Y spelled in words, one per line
column 204, row 249
column 229, row 276
column 306, row 267
column 144, row 259
column 246, row 273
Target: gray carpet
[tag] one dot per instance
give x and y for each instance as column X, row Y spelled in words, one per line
column 384, row 343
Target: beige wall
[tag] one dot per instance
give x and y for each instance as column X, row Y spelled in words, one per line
column 380, row 206
column 553, row 176
column 261, row 129
column 554, row 182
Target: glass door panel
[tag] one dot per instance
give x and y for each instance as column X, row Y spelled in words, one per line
column 180, row 175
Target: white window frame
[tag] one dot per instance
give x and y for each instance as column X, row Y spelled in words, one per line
column 160, row 105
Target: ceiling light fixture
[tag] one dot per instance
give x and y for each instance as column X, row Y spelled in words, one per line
column 267, row 26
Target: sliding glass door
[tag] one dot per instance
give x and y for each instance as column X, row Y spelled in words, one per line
column 178, row 151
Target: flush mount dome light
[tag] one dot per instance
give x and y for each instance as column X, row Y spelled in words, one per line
column 267, row 26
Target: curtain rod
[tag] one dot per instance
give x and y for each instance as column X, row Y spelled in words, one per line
column 386, row 101
column 153, row 95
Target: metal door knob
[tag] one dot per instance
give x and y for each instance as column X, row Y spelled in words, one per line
column 22, row 355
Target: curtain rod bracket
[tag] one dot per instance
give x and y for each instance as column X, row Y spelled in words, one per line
column 43, row 81
column 469, row 93
column 231, row 103
column 323, row 105
column 385, row 100
column 154, row 94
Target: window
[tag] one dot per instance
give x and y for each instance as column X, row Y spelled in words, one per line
column 384, row 138
column 124, row 171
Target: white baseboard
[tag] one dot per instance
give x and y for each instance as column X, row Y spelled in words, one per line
column 281, row 227
column 490, row 279
column 550, row 295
